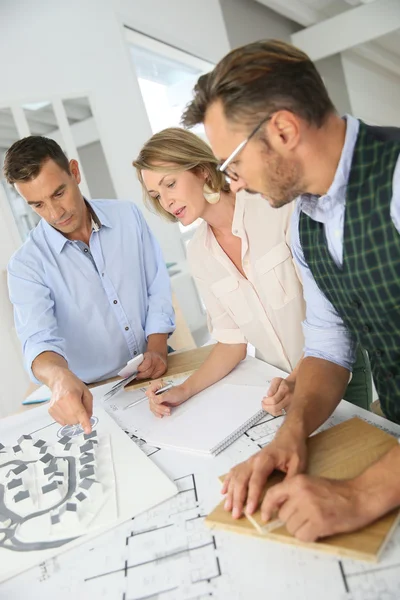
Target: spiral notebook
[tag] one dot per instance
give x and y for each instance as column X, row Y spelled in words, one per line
column 210, row 421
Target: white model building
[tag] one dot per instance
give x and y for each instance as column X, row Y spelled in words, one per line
column 91, row 487
column 15, row 483
column 23, row 502
column 68, row 514
column 25, row 443
column 52, row 494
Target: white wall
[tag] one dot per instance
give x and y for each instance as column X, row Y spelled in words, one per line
column 13, row 377
column 78, row 48
column 190, row 25
column 92, row 159
column 374, row 92
column 334, row 76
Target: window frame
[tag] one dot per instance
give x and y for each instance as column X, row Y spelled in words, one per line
column 136, row 38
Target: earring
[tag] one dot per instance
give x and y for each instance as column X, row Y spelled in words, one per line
column 209, row 195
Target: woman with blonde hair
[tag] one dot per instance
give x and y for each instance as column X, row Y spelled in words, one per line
column 240, row 259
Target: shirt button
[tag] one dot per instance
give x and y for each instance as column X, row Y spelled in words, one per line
column 102, row 274
column 389, row 375
column 135, row 353
column 378, row 353
column 366, row 328
column 126, row 328
column 85, row 250
column 357, row 304
column 115, row 301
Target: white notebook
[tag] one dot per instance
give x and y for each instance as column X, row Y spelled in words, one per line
column 210, row 421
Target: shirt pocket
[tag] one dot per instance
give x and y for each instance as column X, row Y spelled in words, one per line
column 278, row 277
column 233, row 300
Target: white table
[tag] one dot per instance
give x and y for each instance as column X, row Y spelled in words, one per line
column 169, row 554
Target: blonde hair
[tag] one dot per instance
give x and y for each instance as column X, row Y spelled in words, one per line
column 187, row 152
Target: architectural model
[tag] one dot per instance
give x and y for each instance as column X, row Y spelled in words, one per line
column 60, row 487
column 51, row 493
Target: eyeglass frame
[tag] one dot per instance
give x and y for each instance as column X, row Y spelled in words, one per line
column 222, row 168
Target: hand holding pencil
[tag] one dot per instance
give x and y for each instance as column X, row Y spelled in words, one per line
column 163, row 398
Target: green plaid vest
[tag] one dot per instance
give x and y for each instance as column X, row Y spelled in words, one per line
column 366, row 290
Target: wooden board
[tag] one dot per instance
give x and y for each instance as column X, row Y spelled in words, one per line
column 342, row 452
column 179, row 364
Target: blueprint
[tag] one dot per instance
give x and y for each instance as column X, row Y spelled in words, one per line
column 167, row 553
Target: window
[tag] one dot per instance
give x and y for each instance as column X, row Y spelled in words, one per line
column 24, row 216
column 166, row 78
column 71, row 124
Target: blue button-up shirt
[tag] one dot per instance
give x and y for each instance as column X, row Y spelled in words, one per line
column 94, row 305
column 325, row 333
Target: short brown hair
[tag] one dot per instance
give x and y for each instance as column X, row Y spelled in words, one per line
column 181, row 150
column 257, row 80
column 25, row 158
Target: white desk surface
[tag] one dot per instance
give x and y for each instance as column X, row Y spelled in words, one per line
column 169, row 554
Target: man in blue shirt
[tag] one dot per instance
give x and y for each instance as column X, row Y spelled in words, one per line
column 89, row 286
column 270, row 120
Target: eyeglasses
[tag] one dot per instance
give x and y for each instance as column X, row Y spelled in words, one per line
column 224, row 168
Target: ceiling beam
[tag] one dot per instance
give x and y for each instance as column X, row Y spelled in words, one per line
column 295, row 10
column 45, row 116
column 349, row 29
column 76, row 112
column 378, row 56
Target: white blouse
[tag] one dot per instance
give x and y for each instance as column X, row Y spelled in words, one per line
column 267, row 308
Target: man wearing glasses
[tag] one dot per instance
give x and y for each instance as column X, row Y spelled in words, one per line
column 268, row 116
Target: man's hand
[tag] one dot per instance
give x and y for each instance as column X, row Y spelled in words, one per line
column 71, row 401
column 313, row 507
column 160, row 405
column 153, row 366
column 279, row 396
column 245, row 483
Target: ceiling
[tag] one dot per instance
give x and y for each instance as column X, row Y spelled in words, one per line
column 41, row 119
column 382, row 51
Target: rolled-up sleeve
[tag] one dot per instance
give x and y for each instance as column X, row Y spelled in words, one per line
column 34, row 317
column 160, row 315
column 326, row 336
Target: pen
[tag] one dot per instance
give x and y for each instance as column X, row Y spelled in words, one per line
column 157, row 393
column 119, row 385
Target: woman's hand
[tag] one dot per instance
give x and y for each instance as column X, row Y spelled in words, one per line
column 161, row 405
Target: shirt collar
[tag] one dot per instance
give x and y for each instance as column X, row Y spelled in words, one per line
column 58, row 240
column 316, row 207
